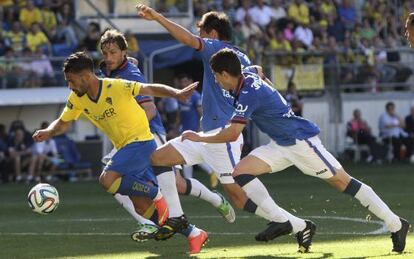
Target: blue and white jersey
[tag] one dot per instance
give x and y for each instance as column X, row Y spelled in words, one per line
column 189, row 116
column 217, row 103
column 128, row 71
column 256, row 100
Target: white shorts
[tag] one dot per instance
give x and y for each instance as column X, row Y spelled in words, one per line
column 309, row 155
column 221, row 157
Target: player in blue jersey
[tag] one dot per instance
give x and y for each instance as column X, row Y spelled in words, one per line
column 217, row 104
column 189, row 119
column 294, row 141
column 116, row 65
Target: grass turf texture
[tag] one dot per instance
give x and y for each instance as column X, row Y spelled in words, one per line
column 90, row 224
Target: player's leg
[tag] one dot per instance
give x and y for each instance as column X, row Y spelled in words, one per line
column 129, row 173
column 191, row 153
column 315, row 160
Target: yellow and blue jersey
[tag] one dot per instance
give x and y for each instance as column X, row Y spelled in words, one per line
column 115, row 111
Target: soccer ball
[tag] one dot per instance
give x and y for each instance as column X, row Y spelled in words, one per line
column 43, row 198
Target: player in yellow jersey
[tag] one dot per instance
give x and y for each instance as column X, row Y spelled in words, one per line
column 110, row 105
column 409, row 29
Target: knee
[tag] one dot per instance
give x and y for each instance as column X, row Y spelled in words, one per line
column 105, row 180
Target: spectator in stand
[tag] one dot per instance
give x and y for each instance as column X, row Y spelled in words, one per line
column 243, row 10
column 261, row 14
column 28, row 76
column 29, row 15
column 348, row 14
column 293, row 98
column 328, row 7
column 65, row 12
column 336, row 27
column 3, row 152
column 299, row 12
column 238, row 38
column 288, row 32
column 304, row 34
column 278, row 10
column 133, row 46
column 409, row 123
column 367, row 32
column 229, row 10
column 254, row 49
column 91, row 41
column 20, row 153
column 392, row 133
column 42, row 67
column 37, row 39
column 44, row 156
column 48, row 16
column 278, row 42
column 250, row 28
column 360, row 132
column 16, row 38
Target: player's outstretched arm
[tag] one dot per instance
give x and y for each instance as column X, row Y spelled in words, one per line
column 228, row 134
column 160, row 90
column 177, row 31
column 57, row 127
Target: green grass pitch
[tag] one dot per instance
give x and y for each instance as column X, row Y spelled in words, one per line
column 90, row 224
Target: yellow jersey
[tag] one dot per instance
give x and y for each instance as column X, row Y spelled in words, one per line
column 115, row 111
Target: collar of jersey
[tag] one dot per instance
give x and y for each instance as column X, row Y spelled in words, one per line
column 99, row 93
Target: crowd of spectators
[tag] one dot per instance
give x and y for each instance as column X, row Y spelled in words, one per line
column 361, row 35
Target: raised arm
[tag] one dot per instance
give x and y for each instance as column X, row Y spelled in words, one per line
column 177, row 31
column 160, row 90
column 57, row 127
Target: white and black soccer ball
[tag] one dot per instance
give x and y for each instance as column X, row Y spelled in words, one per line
column 43, row 198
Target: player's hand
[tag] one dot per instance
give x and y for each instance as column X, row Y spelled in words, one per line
column 146, row 12
column 186, row 92
column 191, row 135
column 41, row 135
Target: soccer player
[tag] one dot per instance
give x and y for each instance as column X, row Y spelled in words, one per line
column 294, row 141
column 409, row 29
column 217, row 105
column 116, row 65
column 189, row 119
column 110, row 105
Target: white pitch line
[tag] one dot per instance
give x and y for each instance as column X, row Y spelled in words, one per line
column 381, row 230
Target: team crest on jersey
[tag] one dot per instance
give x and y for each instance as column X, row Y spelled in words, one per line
column 69, row 105
column 86, row 111
column 128, row 85
column 108, row 100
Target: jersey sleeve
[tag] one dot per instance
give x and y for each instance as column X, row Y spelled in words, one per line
column 71, row 111
column 131, row 87
column 143, row 99
column 208, row 47
column 247, row 104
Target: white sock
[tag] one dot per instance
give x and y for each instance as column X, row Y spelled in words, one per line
column 370, row 199
column 188, row 171
column 168, row 188
column 126, row 202
column 206, row 168
column 261, row 213
column 298, row 224
column 200, row 191
column 258, row 193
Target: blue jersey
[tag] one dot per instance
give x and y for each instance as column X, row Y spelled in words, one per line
column 127, row 70
column 217, row 103
column 256, row 100
column 189, row 116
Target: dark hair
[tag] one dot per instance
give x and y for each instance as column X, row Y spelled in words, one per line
column 226, row 60
column 114, row 37
column 216, row 21
column 388, row 105
column 77, row 62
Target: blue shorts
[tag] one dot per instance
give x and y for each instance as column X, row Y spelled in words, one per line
column 134, row 160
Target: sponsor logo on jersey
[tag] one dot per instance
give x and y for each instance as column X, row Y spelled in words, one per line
column 108, row 113
column 108, row 100
column 241, row 109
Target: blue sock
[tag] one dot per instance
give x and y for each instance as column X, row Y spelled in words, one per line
column 131, row 186
column 186, row 232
